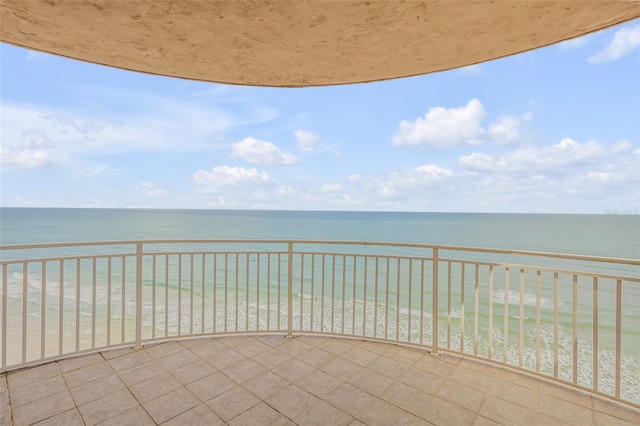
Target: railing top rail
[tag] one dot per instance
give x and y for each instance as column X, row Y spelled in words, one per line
column 577, row 257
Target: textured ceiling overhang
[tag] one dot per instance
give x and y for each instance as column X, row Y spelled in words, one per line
column 298, row 43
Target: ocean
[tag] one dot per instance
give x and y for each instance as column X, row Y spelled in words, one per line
column 595, row 235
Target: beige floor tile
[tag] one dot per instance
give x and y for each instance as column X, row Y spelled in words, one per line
column 435, row 365
column 564, row 411
column 103, row 409
column 209, row 348
column 408, row 398
column 341, row 368
column 609, row 420
column 388, row 367
column 232, row 403
column 170, row 405
column 197, row 416
column 483, row 421
column 37, row 390
column 271, row 359
column 129, row 360
column 225, row 358
column 4, row 401
column 3, row 382
column 293, row 370
column 193, row 342
column 479, row 366
column 360, row 356
column 154, row 387
column 461, row 395
column 372, row 382
column 42, row 409
column 382, row 413
column 291, row 401
column 313, row 340
column 178, row 359
column 243, row 371
column 319, row 383
column 71, row 364
column 211, row 386
column 273, row 340
column 87, row 374
column 350, row 399
column 141, row 372
column 568, row 394
column 135, row 416
column 31, row 375
column 514, row 393
column 114, row 353
column 262, row 415
column 376, row 347
column 542, row 420
column 233, row 341
column 191, row 372
column 251, row 348
column 407, row 356
column 337, row 346
column 616, row 410
column 519, row 378
column 266, row 384
column 97, row 389
column 321, row 413
column 441, row 412
column 473, row 378
column 317, row 357
column 5, row 418
column 68, row 418
column 294, row 347
column 506, row 413
column 160, row 350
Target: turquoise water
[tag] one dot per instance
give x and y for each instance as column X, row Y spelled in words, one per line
column 598, row 235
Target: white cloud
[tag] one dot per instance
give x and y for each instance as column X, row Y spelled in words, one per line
column 507, row 128
column 443, row 126
column 256, row 151
column 26, row 158
column 225, row 176
column 567, row 153
column 331, row 188
column 151, row 190
column 574, row 43
column 625, row 41
column 306, row 141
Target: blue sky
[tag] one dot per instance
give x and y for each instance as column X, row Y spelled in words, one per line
column 555, row 130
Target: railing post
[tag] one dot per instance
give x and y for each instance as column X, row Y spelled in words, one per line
column 434, row 317
column 138, row 295
column 290, row 290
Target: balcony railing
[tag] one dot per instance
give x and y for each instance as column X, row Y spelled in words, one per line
column 569, row 318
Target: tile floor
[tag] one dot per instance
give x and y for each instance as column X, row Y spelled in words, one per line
column 308, row 380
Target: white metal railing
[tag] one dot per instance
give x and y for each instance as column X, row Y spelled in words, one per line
column 569, row 318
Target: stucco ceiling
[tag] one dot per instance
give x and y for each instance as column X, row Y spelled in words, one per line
column 298, row 43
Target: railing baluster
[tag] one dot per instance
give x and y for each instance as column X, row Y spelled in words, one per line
column 595, row 333
column 258, row 292
column 364, row 297
column 505, row 338
column 226, row 287
column 410, row 316
column 191, row 282
column 436, row 310
column 246, row 291
column 618, row 334
column 375, row 308
column 214, row 310
column 60, row 311
column 333, row 292
column 490, row 337
column 5, row 315
column 521, row 318
column 448, row 305
column 538, row 314
column 269, row 291
column 322, row 302
column 25, row 296
column 476, row 327
column 124, row 299
column 398, row 300
column 78, row 304
column 353, row 297
column 153, row 296
column 166, row 295
column 313, row 290
column 139, row 295
column 386, row 301
column 301, row 289
column 555, row 325
column 290, row 290
column 422, row 301
column 202, row 293
column 43, row 308
column 93, row 304
column 462, row 285
column 179, row 294
column 237, row 265
column 279, row 290
column 575, row 329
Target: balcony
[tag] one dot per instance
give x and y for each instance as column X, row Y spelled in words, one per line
column 316, row 332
